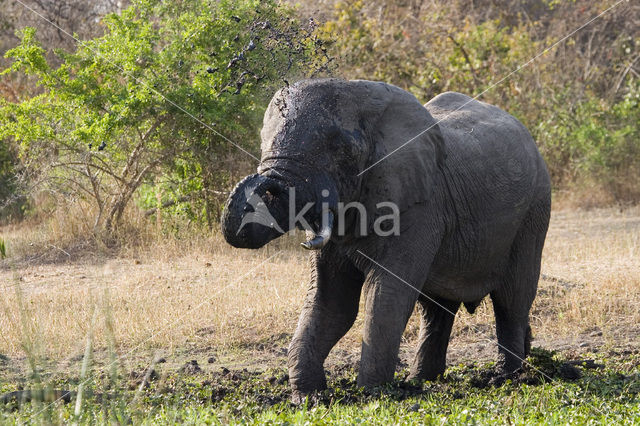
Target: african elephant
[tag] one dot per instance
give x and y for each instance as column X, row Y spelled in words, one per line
column 473, row 196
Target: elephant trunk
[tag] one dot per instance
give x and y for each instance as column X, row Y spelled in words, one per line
column 256, row 212
column 264, row 206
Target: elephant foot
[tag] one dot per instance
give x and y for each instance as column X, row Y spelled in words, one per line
column 430, row 377
column 507, row 368
column 312, row 398
column 371, row 382
column 298, row 398
column 501, row 377
column 427, row 373
column 306, row 388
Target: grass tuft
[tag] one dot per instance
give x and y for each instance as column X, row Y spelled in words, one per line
column 3, row 249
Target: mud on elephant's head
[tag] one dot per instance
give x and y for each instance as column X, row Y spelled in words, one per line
column 319, row 140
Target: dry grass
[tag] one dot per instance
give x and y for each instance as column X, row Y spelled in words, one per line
column 599, row 253
column 211, row 297
column 198, row 294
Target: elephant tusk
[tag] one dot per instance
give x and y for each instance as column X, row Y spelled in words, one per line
column 322, row 238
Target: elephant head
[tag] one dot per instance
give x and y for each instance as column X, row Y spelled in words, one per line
column 319, row 139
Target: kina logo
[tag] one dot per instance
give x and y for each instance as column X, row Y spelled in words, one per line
column 260, row 213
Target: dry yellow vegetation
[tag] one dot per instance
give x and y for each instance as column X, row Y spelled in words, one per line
column 201, row 296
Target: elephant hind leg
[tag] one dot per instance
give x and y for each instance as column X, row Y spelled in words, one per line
column 513, row 299
column 435, row 329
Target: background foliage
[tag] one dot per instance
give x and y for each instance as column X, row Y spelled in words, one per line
column 163, row 101
column 167, row 97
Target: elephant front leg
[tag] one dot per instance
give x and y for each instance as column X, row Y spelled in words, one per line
column 394, row 282
column 329, row 311
column 389, row 304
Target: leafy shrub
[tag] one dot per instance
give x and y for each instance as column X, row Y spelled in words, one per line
column 596, row 141
column 168, row 90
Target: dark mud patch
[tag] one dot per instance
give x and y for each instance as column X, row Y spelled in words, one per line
column 275, row 343
column 191, row 367
column 266, row 389
column 239, row 390
column 257, row 389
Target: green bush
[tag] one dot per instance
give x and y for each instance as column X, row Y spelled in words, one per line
column 166, row 92
column 7, row 172
column 596, row 141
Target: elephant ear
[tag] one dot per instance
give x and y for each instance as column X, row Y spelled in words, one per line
column 406, row 150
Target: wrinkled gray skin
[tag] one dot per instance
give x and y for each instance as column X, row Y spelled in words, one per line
column 474, row 195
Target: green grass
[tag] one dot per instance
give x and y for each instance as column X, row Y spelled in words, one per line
column 607, row 394
column 3, row 249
